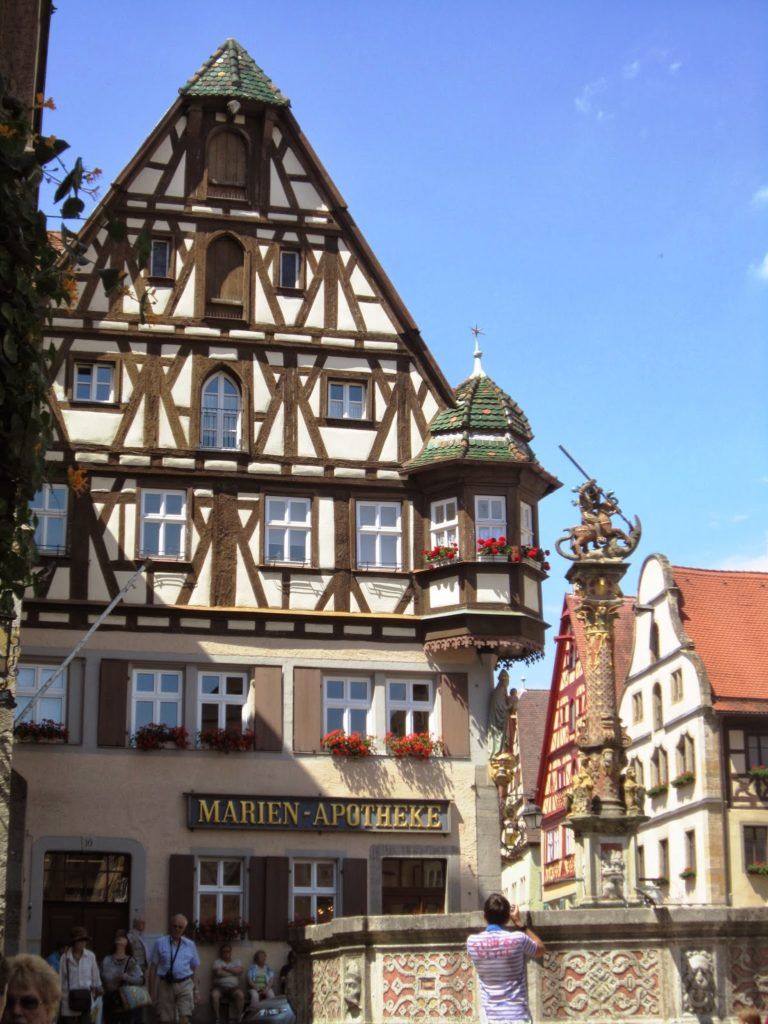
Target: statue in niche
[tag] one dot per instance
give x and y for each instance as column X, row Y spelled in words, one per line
column 502, row 705
column 698, row 982
column 580, row 797
column 596, row 536
column 353, row 989
column 634, row 793
column 612, row 869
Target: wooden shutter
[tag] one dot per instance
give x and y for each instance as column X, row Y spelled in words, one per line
column 268, row 891
column 113, row 703
column 354, row 887
column 75, row 675
column 181, row 887
column 268, row 707
column 454, row 703
column 307, row 710
column 227, row 166
column 224, row 275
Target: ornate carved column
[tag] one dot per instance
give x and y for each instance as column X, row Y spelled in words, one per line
column 605, row 801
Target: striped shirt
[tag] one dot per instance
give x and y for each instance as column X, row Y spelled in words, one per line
column 499, row 957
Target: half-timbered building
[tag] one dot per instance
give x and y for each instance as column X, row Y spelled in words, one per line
column 560, row 756
column 695, row 706
column 253, row 418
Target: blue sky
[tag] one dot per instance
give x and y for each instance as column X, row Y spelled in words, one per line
column 585, row 181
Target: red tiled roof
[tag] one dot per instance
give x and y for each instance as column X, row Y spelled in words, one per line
column 531, row 723
column 622, row 638
column 725, row 614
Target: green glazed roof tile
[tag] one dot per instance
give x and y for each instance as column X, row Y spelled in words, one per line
column 485, row 424
column 232, row 73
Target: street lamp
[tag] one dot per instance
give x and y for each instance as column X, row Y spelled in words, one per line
column 532, row 817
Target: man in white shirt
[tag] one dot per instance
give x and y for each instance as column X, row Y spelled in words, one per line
column 172, row 982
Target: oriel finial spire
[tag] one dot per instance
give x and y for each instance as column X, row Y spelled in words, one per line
column 477, row 369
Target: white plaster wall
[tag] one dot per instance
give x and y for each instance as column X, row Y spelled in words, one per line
column 341, row 443
column 493, row 587
column 307, row 196
column 325, row 529
column 186, row 305
column 274, row 445
column 168, row 586
column 277, row 196
column 261, row 395
column 307, row 590
column 182, row 387
column 273, row 589
column 381, row 593
column 377, row 319
column 316, row 315
column 651, row 582
column 94, row 426
column 444, row 592
column 290, row 306
column 344, row 319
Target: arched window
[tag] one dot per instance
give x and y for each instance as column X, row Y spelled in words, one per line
column 685, row 755
column 220, row 413
column 653, row 641
column 658, row 710
column 225, row 279
column 227, row 165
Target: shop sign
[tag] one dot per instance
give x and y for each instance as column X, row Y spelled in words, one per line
column 317, row 814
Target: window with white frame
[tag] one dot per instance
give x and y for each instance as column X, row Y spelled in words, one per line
column 94, row 382
column 156, row 698
column 409, row 706
column 160, row 258
column 219, row 889
column 346, row 703
column 222, row 700
column 220, row 416
column 290, row 268
column 553, row 844
column 288, row 530
column 685, row 755
column 379, row 534
column 568, row 842
column 637, row 706
column 346, row 400
column 313, row 893
column 659, row 767
column 444, row 525
column 527, row 533
column 163, row 523
column 50, row 706
column 755, row 844
column 490, row 517
column 49, row 506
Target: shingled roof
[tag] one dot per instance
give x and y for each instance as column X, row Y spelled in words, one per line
column 725, row 614
column 531, row 726
column 484, row 423
column 232, row 73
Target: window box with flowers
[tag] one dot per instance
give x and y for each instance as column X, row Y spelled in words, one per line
column 493, row 549
column 339, row 744
column 226, row 741
column 683, row 779
column 687, row 874
column 442, row 554
column 157, row 736
column 757, row 867
column 211, row 931
column 658, row 790
column 45, row 731
column 758, row 771
column 419, row 745
column 535, row 556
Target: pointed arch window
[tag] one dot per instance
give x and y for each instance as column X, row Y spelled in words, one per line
column 220, row 413
column 227, row 165
column 657, row 707
column 225, row 279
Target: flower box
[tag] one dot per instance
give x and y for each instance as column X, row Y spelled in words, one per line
column 419, row 745
column 757, row 867
column 220, row 931
column 156, row 736
column 493, row 549
column 339, row 744
column 535, row 556
column 226, row 741
column 758, row 771
column 45, row 731
column 657, row 790
column 442, row 554
column 683, row 779
column 688, row 873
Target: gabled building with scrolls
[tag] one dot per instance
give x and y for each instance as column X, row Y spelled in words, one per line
column 254, row 419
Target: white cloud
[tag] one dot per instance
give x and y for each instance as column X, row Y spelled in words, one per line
column 585, row 101
column 760, row 270
column 631, row 70
column 674, row 67
column 739, row 517
column 761, row 196
column 758, row 563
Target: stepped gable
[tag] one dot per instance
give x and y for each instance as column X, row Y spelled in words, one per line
column 231, row 72
column 725, row 614
column 484, row 423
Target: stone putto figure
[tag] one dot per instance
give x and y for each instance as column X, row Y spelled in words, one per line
column 612, row 875
column 698, row 982
column 580, row 796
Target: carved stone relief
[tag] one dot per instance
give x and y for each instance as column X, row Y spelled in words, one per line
column 607, row 984
column 428, row 986
column 326, row 989
column 698, row 976
column 748, row 974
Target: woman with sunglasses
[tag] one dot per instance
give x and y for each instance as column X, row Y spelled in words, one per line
column 34, row 991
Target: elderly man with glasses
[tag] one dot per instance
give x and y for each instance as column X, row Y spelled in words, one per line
column 172, row 969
